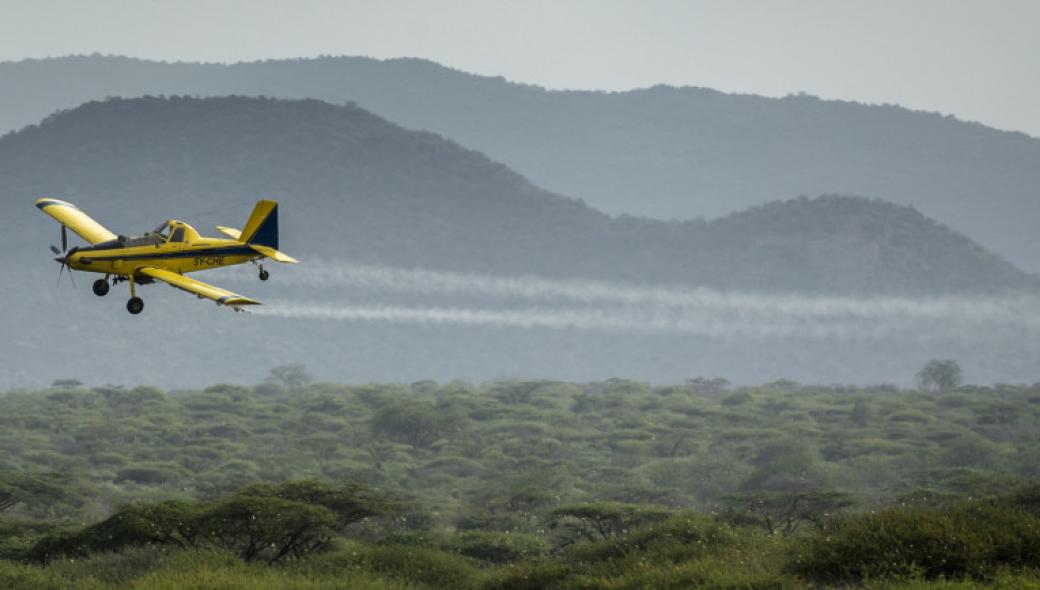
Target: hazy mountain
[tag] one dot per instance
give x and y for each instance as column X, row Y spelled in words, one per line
column 356, row 189
column 660, row 152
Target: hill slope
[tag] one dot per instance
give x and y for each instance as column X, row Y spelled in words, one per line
column 660, row 152
column 357, row 189
column 355, row 186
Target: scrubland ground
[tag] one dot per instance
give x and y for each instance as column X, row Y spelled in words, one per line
column 516, row 484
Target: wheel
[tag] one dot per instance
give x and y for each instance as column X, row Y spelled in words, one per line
column 135, row 305
column 264, row 275
column 101, row 287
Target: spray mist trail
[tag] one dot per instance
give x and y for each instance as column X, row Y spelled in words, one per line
column 699, row 304
column 640, row 320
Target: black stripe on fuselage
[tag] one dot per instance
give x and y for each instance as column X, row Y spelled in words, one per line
column 225, row 251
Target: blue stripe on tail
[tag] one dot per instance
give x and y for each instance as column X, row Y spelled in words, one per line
column 267, row 233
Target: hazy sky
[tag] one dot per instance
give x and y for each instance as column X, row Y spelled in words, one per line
column 976, row 59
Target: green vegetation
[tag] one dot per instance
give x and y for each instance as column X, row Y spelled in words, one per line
column 511, row 484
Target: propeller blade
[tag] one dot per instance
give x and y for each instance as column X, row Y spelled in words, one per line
column 55, row 250
column 61, row 270
column 64, row 239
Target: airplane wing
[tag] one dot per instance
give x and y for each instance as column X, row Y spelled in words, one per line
column 199, row 288
column 71, row 217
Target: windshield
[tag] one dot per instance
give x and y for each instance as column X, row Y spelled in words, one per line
column 163, row 230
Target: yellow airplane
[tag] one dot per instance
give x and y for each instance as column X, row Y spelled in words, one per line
column 165, row 253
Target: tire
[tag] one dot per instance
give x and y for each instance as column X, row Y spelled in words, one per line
column 135, row 305
column 264, row 275
column 101, row 287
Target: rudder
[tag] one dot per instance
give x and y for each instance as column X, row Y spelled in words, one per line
column 262, row 227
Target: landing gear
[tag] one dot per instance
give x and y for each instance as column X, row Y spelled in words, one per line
column 101, row 287
column 135, row 305
column 263, row 274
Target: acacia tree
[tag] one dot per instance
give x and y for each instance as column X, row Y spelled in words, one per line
column 601, row 520
column 939, row 375
column 706, row 386
column 37, row 492
column 292, row 376
column 784, row 512
column 350, row 502
column 267, row 528
column 415, row 424
column 269, row 522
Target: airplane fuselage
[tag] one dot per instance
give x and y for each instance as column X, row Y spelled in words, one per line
column 119, row 258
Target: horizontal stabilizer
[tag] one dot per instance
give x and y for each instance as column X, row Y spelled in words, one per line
column 230, row 232
column 274, row 254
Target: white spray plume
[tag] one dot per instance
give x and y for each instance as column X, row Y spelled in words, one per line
column 701, row 304
column 649, row 319
column 605, row 319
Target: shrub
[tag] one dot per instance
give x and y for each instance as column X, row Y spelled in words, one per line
column 968, row 540
column 117, row 569
column 530, row 575
column 23, row 577
column 717, row 574
column 270, row 522
column 423, row 566
column 150, row 473
column 207, row 570
column 602, row 520
column 18, row 536
column 736, row 399
column 675, row 539
column 135, row 525
column 499, row 547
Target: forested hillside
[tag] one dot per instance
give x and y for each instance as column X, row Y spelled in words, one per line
column 361, row 195
column 516, row 484
column 661, row 152
column 358, row 187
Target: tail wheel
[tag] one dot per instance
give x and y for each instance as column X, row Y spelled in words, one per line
column 101, row 287
column 264, row 275
column 135, row 305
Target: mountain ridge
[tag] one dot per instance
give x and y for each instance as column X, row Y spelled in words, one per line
column 356, row 189
column 441, row 205
column 432, row 64
column 660, row 152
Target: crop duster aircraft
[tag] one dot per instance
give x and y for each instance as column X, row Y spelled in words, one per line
column 166, row 253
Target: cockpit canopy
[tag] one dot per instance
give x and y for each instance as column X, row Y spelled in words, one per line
column 175, row 231
column 170, row 232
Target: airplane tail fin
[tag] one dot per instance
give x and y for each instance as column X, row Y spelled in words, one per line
column 262, row 227
column 261, row 231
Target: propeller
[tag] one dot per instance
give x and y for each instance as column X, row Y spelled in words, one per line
column 63, row 256
column 64, row 242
